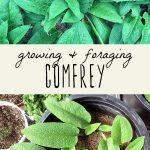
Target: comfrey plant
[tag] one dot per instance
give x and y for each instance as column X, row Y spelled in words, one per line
column 64, row 135
column 74, row 22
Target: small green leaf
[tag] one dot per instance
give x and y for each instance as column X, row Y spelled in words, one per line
column 105, row 128
column 121, row 130
column 16, row 35
column 3, row 29
column 70, row 17
column 26, row 146
column 92, row 128
column 125, row 7
column 15, row 16
column 77, row 34
column 36, row 6
column 52, row 135
column 137, row 144
column 56, row 8
column 67, row 112
column 75, row 8
column 106, row 11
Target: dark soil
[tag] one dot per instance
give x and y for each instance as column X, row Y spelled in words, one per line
column 16, row 99
column 91, row 142
column 11, row 124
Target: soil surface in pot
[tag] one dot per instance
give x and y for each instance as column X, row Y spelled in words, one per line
column 16, row 99
column 11, row 124
column 91, row 142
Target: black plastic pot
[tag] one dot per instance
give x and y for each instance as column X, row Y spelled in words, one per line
column 140, row 105
column 109, row 106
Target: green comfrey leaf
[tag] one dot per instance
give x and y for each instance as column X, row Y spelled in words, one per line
column 49, row 24
column 56, row 8
column 75, row 8
column 41, row 37
column 4, row 9
column 135, row 10
column 77, row 34
column 121, row 130
column 26, row 146
column 67, row 112
column 116, row 34
column 3, row 29
column 105, row 128
column 92, row 128
column 36, row 6
column 85, row 5
column 125, row 7
column 106, row 11
column 146, row 30
column 15, row 16
column 132, row 30
column 69, row 17
column 137, row 144
column 16, row 35
column 31, row 18
column 102, row 28
column 52, row 135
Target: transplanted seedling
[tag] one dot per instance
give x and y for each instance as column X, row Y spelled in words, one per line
column 64, row 135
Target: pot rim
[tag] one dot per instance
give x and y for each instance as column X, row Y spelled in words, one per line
column 117, row 105
column 143, row 100
column 5, row 103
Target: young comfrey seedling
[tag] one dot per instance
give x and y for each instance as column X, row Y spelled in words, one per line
column 64, row 135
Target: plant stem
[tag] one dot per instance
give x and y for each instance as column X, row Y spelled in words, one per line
column 95, row 31
column 104, row 137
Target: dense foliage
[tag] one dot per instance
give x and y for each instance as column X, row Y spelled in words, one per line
column 34, row 103
column 75, row 22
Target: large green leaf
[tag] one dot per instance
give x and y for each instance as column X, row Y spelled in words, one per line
column 69, row 112
column 15, row 16
column 77, row 34
column 53, row 135
column 121, row 130
column 106, row 11
column 16, row 35
column 36, row 6
column 137, row 144
column 75, row 8
column 26, row 146
column 146, row 30
column 56, row 8
column 41, row 37
column 102, row 29
column 132, row 30
column 116, row 34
